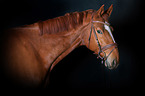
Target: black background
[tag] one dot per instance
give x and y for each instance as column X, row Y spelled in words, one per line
column 81, row 70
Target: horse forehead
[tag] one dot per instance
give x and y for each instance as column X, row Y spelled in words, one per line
column 107, row 27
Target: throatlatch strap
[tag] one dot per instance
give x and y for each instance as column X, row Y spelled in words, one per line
column 90, row 37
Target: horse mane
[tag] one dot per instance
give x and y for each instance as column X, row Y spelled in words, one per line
column 63, row 23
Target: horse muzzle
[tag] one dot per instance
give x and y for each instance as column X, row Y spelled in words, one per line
column 111, row 65
column 112, row 61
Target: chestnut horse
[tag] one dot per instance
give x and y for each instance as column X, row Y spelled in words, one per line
column 30, row 52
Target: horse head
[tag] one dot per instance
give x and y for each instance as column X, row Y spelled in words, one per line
column 98, row 37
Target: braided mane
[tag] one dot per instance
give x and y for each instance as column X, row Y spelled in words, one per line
column 63, row 23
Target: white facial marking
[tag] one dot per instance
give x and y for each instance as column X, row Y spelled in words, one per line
column 109, row 30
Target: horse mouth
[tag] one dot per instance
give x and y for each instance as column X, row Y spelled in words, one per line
column 111, row 65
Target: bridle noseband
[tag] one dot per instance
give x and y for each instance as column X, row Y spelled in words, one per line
column 101, row 49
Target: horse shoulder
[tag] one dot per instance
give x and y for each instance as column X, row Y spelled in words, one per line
column 23, row 63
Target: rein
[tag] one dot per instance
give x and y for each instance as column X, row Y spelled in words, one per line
column 101, row 49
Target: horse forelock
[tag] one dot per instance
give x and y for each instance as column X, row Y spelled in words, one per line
column 63, row 23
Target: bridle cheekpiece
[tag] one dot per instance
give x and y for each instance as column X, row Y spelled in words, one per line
column 101, row 49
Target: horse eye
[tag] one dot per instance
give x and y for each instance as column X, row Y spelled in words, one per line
column 99, row 31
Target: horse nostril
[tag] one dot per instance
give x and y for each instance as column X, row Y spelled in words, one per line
column 114, row 63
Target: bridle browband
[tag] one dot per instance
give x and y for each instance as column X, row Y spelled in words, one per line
column 101, row 49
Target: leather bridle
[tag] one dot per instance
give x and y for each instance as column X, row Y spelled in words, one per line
column 101, row 49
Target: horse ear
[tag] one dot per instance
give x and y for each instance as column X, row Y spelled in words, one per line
column 108, row 12
column 100, row 11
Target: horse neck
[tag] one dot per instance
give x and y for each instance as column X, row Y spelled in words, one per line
column 67, row 50
column 62, row 46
